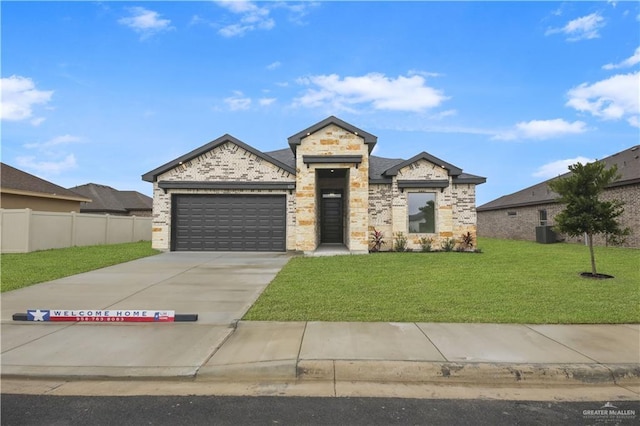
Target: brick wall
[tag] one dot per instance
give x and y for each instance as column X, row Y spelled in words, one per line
column 519, row 223
column 455, row 206
column 227, row 162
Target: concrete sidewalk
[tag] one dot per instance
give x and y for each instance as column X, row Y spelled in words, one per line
column 429, row 353
column 217, row 348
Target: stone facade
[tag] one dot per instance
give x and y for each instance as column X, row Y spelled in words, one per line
column 328, row 142
column 370, row 199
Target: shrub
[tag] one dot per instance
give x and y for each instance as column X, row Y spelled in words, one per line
column 400, row 242
column 466, row 241
column 377, row 240
column 425, row 244
column 448, row 244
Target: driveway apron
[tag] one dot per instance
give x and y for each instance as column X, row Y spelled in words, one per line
column 219, row 287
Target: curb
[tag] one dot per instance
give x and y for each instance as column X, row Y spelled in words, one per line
column 422, row 372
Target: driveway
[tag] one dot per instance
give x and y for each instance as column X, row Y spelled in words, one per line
column 219, row 287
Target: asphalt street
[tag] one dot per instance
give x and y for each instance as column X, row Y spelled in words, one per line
column 209, row 410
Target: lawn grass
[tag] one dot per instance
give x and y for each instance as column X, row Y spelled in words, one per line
column 510, row 282
column 25, row 269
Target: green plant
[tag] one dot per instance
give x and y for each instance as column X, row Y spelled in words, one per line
column 426, row 244
column 584, row 212
column 448, row 244
column 400, row 242
column 377, row 240
column 466, row 241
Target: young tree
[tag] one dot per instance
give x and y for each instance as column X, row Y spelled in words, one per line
column 585, row 213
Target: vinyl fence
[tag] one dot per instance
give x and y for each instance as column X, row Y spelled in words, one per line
column 25, row 230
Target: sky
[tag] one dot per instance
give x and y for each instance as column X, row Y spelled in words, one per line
column 103, row 92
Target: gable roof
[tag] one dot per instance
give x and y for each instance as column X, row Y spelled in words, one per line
column 153, row 174
column 628, row 162
column 107, row 199
column 15, row 181
column 381, row 170
column 450, row 168
column 296, row 139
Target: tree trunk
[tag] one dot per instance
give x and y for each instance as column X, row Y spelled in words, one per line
column 593, row 257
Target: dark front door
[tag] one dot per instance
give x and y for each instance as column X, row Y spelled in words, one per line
column 331, row 228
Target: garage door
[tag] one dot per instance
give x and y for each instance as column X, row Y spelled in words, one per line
column 229, row 223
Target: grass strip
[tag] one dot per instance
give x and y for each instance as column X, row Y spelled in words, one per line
column 24, row 269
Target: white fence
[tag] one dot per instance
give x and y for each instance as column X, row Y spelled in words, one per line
column 25, row 230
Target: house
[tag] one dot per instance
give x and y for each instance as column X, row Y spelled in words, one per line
column 21, row 190
column 107, row 200
column 325, row 188
column 516, row 216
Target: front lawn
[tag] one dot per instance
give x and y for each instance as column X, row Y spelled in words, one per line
column 510, row 282
column 24, row 269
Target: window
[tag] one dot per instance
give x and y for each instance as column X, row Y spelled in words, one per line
column 542, row 216
column 422, row 212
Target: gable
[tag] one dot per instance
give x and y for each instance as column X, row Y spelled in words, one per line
column 423, row 170
column 200, row 155
column 228, row 162
column 330, row 126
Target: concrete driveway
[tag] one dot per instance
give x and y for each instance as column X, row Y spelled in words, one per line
column 219, row 287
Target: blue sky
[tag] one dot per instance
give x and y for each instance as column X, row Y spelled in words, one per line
column 103, row 92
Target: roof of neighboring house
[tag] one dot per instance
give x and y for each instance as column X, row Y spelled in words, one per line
column 109, row 200
column 628, row 162
column 15, row 181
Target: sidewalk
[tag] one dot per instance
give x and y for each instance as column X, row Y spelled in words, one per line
column 429, row 353
column 487, row 354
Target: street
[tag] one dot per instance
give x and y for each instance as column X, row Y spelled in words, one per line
column 210, row 410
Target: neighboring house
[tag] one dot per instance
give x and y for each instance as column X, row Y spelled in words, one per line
column 326, row 188
column 107, row 200
column 517, row 215
column 21, row 190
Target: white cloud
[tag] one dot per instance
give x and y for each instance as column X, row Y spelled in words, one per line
column 266, row 101
column 146, row 22
column 614, row 98
column 57, row 141
column 274, row 65
column 443, row 114
column 47, row 167
column 542, row 129
column 252, row 18
column 19, row 96
column 556, row 168
column 297, row 11
column 629, row 62
column 50, row 157
column 381, row 92
column 238, row 102
column 583, row 28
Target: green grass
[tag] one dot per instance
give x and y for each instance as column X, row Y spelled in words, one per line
column 25, row 269
column 510, row 282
